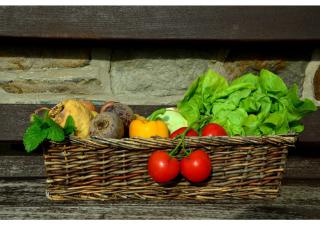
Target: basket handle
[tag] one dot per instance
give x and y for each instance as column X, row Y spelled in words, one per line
column 38, row 110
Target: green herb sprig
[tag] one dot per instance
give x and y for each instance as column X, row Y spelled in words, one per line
column 44, row 128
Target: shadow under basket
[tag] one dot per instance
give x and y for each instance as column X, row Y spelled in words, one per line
column 112, row 169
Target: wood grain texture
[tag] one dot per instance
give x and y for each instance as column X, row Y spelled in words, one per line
column 22, row 166
column 299, row 167
column 25, row 199
column 33, row 167
column 310, row 137
column 162, row 22
column 15, row 119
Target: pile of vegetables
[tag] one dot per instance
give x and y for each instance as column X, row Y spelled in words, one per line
column 251, row 105
column 195, row 166
column 78, row 118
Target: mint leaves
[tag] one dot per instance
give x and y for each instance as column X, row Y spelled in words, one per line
column 69, row 127
column 33, row 137
column 250, row 105
column 44, row 128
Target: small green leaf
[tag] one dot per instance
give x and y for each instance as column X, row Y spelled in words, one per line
column 55, row 133
column 272, row 83
column 33, row 137
column 69, row 127
column 237, row 117
column 247, row 78
column 251, row 124
column 35, row 119
column 266, row 129
column 190, row 110
column 250, row 104
column 222, row 107
column 298, row 128
column 238, row 95
column 275, row 120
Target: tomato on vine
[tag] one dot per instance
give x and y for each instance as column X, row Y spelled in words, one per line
column 213, row 129
column 162, row 167
column 196, row 167
column 190, row 133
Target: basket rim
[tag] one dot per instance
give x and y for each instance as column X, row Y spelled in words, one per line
column 163, row 143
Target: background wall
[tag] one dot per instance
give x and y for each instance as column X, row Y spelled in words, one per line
column 140, row 74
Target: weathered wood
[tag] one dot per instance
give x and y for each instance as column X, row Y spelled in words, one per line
column 22, row 166
column 14, row 121
column 25, row 199
column 310, row 137
column 302, row 168
column 162, row 23
column 33, row 167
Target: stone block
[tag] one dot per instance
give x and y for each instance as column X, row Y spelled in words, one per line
column 62, row 58
column 53, row 74
column 26, row 58
column 15, row 58
column 82, row 86
column 311, row 85
column 289, row 64
column 157, row 72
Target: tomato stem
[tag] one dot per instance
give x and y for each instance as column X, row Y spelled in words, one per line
column 187, row 152
column 174, row 152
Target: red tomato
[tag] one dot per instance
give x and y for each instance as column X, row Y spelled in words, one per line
column 162, row 167
column 196, row 167
column 190, row 133
column 213, row 129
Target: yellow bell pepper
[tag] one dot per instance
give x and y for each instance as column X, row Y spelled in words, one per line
column 142, row 127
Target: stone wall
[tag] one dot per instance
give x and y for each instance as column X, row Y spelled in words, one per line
column 135, row 75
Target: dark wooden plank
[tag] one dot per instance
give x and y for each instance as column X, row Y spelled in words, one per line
column 310, row 137
column 25, row 199
column 22, row 166
column 262, row 23
column 33, row 167
column 302, row 168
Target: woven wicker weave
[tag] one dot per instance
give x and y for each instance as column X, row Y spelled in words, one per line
column 108, row 169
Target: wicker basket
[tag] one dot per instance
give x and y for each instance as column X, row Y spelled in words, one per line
column 109, row 169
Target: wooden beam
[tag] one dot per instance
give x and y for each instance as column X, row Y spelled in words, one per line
column 227, row 23
column 22, row 166
column 310, row 137
column 25, row 199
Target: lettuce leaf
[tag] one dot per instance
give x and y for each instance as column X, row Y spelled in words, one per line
column 197, row 100
column 251, row 105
